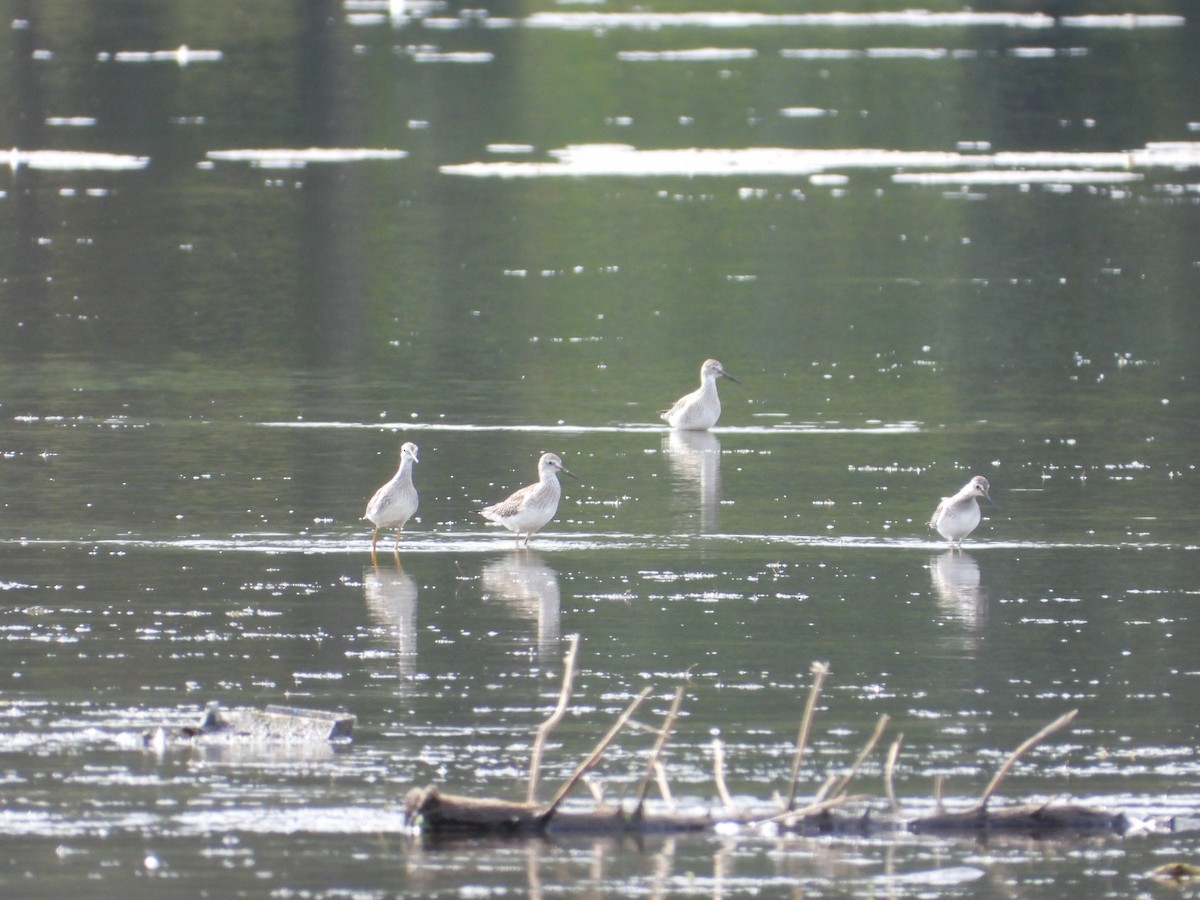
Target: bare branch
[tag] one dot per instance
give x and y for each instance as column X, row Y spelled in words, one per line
column 889, row 771
column 1058, row 723
column 564, row 698
column 592, row 758
column 719, row 773
column 819, row 671
column 840, row 787
column 664, row 734
column 664, row 788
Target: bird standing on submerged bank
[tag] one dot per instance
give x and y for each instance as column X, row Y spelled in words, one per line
column 396, row 502
column 699, row 410
column 530, row 508
column 957, row 516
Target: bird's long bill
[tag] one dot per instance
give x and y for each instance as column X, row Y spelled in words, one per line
column 730, row 377
column 988, row 497
column 569, row 472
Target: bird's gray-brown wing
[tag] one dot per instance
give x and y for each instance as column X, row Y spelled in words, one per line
column 508, row 507
column 676, row 407
column 375, row 504
column 937, row 513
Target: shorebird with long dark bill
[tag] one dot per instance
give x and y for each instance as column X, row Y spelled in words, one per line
column 530, row 508
column 957, row 516
column 396, row 502
column 699, row 410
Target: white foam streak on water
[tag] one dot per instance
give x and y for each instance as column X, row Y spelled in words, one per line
column 1017, row 176
column 920, row 18
column 183, row 55
column 289, row 157
column 783, row 428
column 698, row 54
column 621, row 159
column 293, row 820
column 461, row 56
column 69, row 160
column 473, row 542
column 805, row 112
column 259, row 820
column 1123, row 20
column 950, row 875
column 907, row 53
column 821, row 53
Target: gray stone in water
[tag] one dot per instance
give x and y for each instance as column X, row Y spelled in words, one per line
column 275, row 724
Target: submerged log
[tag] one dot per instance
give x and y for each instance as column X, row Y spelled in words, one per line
column 430, row 810
column 1030, row 818
column 433, row 812
column 832, row 812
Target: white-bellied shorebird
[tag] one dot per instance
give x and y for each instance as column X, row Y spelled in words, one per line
column 396, row 502
column 957, row 516
column 530, row 508
column 699, row 410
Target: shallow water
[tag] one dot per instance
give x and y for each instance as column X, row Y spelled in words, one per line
column 240, row 264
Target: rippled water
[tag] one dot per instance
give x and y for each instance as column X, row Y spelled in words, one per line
column 245, row 254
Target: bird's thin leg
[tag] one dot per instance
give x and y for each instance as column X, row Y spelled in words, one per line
column 396, row 546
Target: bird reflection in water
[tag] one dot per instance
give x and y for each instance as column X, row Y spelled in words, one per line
column 530, row 588
column 694, row 458
column 956, row 588
column 391, row 595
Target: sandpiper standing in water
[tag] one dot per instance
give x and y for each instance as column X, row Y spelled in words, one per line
column 957, row 516
column 396, row 502
column 699, row 410
column 531, row 507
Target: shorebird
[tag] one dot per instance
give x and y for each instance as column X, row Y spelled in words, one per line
column 531, row 507
column 396, row 502
column 699, row 410
column 957, row 516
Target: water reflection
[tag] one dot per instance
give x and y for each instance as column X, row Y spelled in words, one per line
column 955, row 577
column 530, row 587
column 694, row 458
column 391, row 596
column 716, row 867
